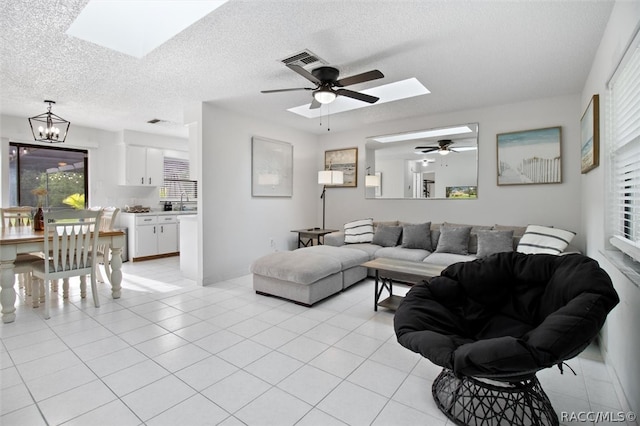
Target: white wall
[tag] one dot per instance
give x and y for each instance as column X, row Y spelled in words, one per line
column 550, row 204
column 620, row 338
column 237, row 228
column 104, row 158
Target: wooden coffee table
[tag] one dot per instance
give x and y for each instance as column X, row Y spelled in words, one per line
column 401, row 271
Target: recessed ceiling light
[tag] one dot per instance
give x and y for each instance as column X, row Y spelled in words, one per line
column 387, row 93
column 423, row 134
column 136, row 27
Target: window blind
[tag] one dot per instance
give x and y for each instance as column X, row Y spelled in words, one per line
column 624, row 129
column 176, row 180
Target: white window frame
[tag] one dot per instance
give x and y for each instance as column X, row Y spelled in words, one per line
column 177, row 181
column 623, row 131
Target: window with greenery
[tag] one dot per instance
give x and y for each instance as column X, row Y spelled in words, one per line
column 45, row 176
column 177, row 181
column 624, row 133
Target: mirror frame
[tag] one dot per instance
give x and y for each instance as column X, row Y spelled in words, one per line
column 401, row 147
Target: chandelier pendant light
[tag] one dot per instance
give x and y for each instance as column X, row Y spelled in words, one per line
column 48, row 127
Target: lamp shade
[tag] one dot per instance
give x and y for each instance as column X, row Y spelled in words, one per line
column 372, row 181
column 330, row 177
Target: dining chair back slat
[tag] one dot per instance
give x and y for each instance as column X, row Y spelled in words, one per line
column 72, row 243
column 16, row 216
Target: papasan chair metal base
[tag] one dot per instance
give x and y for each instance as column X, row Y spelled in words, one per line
column 469, row 401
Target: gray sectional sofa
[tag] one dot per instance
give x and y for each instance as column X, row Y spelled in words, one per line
column 308, row 275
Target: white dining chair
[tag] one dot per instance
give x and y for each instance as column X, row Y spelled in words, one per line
column 72, row 246
column 11, row 217
column 107, row 222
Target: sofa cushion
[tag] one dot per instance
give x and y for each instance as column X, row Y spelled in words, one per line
column 387, row 236
column 417, row 236
column 369, row 248
column 491, row 242
column 473, row 235
column 401, row 253
column 454, row 240
column 296, row 266
column 446, row 259
column 542, row 239
column 348, row 257
column 358, row 231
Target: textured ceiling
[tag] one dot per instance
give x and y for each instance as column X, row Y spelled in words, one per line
column 467, row 53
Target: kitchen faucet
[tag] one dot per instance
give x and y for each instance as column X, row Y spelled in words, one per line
column 183, row 194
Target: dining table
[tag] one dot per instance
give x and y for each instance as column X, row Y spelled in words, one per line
column 24, row 239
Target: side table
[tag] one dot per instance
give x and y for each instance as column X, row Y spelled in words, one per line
column 306, row 236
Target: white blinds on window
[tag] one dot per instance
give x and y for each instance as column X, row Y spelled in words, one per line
column 176, row 180
column 624, row 125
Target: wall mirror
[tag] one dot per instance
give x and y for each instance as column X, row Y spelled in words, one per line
column 439, row 163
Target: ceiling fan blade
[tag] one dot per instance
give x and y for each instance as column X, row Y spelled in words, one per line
column 315, row 104
column 359, row 78
column 306, row 74
column 286, row 90
column 426, row 147
column 427, row 150
column 357, row 95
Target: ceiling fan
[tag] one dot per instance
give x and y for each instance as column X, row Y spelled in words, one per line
column 443, row 147
column 326, row 81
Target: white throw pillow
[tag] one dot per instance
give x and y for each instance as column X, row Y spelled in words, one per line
column 358, row 231
column 542, row 239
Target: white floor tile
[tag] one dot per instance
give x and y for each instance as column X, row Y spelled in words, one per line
column 378, row 378
column 194, row 411
column 273, row 408
column 114, row 413
column 236, row 391
column 298, row 384
column 337, row 362
column 273, row 367
column 29, row 415
column 352, row 404
column 157, row 397
column 75, row 402
column 204, row 373
column 132, row 378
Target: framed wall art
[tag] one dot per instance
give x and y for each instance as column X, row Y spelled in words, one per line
column 271, row 168
column 590, row 136
column 530, row 157
column 345, row 160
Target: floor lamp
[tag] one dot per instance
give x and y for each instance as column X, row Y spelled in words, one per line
column 328, row 177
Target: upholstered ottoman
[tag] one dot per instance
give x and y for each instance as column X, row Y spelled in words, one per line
column 308, row 275
column 350, row 261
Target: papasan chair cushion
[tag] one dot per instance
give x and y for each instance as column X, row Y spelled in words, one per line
column 506, row 316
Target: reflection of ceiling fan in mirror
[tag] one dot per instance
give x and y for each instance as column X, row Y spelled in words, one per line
column 326, row 80
column 443, row 147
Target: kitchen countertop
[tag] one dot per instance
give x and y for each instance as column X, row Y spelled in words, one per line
column 162, row 212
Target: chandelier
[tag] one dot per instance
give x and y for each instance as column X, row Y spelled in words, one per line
column 50, row 127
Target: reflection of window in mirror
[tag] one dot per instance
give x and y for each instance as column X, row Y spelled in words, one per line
column 426, row 164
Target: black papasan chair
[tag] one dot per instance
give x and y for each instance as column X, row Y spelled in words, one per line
column 493, row 323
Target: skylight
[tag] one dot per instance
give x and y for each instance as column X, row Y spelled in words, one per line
column 424, row 134
column 387, row 93
column 136, row 27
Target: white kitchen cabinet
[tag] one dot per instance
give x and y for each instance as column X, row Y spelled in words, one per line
column 167, row 234
column 151, row 235
column 142, row 166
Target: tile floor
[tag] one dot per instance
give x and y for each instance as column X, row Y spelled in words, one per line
column 169, row 352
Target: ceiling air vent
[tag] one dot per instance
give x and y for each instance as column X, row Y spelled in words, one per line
column 303, row 59
column 154, row 121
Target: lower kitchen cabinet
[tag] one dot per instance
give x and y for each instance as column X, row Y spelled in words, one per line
column 151, row 235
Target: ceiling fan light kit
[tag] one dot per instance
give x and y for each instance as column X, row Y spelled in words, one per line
column 326, row 79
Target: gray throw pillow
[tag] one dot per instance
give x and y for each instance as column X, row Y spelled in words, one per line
column 387, row 236
column 491, row 242
column 417, row 236
column 454, row 240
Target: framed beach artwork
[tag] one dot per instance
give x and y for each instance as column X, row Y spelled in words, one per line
column 530, row 157
column 345, row 160
column 271, row 168
column 590, row 136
